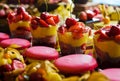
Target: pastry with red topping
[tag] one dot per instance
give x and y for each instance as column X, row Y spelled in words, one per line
column 11, row 64
column 44, row 29
column 19, row 23
column 73, row 37
column 107, row 46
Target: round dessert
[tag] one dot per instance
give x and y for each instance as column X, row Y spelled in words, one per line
column 3, row 36
column 44, row 30
column 73, row 37
column 15, row 42
column 19, row 23
column 41, row 53
column 11, row 64
column 75, row 64
column 107, row 46
column 113, row 74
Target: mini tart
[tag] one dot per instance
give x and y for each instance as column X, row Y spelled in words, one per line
column 11, row 64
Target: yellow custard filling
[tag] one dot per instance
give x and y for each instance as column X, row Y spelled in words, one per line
column 41, row 32
column 67, row 38
column 14, row 25
column 110, row 47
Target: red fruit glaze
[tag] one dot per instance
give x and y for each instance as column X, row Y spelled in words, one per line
column 70, row 21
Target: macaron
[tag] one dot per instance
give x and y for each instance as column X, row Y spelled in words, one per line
column 41, row 53
column 75, row 63
column 3, row 36
column 112, row 73
column 19, row 42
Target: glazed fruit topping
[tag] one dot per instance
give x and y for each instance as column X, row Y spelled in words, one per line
column 70, row 21
column 19, row 15
column 109, row 32
column 45, row 20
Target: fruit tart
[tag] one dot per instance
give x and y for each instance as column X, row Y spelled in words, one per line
column 73, row 36
column 19, row 23
column 107, row 46
column 11, row 64
column 44, row 29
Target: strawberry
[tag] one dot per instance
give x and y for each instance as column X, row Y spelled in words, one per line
column 20, row 10
column 56, row 18
column 70, row 21
column 44, row 15
column 18, row 17
column 62, row 29
column 50, row 21
column 26, row 16
column 16, row 64
column 34, row 24
column 43, row 23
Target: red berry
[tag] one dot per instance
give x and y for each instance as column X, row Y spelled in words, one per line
column 44, row 15
column 70, row 21
column 56, row 19
column 90, row 14
column 115, row 30
column 43, row 23
column 83, row 16
column 26, row 16
column 96, row 10
column 20, row 10
column 16, row 64
column 51, row 21
column 62, row 29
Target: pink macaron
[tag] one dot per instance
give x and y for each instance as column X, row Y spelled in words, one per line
column 41, row 53
column 22, row 43
column 3, row 36
column 75, row 63
column 112, row 73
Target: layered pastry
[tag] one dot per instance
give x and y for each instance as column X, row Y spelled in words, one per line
column 19, row 23
column 44, row 29
column 73, row 37
column 107, row 48
column 11, row 64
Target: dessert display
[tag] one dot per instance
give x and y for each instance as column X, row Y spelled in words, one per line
column 17, row 43
column 44, row 29
column 107, row 48
column 73, row 37
column 3, row 36
column 19, row 24
column 11, row 64
column 37, row 53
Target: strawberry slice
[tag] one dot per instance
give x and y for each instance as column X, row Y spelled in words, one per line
column 62, row 29
column 56, row 18
column 16, row 64
column 70, row 21
column 44, row 15
column 43, row 23
column 51, row 21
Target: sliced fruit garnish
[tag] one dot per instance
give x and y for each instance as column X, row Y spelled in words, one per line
column 62, row 29
column 16, row 64
column 26, row 16
column 44, row 15
column 51, row 21
column 56, row 18
column 70, row 21
column 43, row 23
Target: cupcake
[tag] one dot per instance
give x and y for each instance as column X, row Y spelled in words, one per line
column 44, row 30
column 11, row 64
column 73, row 37
column 75, row 65
column 107, row 48
column 39, row 65
column 3, row 36
column 19, row 24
